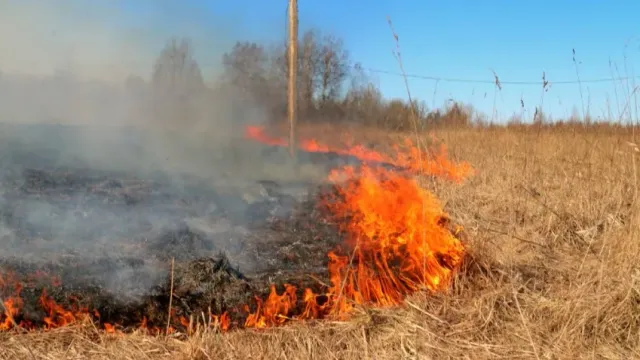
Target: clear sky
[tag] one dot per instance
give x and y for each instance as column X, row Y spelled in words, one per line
column 443, row 39
column 468, row 39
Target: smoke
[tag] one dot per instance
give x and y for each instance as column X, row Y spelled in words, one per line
column 104, row 40
column 91, row 169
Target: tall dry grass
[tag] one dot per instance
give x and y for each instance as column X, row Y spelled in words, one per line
column 553, row 223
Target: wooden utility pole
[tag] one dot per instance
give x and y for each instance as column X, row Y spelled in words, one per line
column 292, row 90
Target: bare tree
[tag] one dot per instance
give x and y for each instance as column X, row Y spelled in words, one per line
column 245, row 67
column 308, row 70
column 334, row 67
column 358, row 78
column 176, row 81
column 323, row 69
column 364, row 103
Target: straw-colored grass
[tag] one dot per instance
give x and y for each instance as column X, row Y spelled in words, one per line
column 553, row 223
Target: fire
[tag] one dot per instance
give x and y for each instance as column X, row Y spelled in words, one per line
column 396, row 242
column 222, row 322
column 11, row 308
column 409, row 156
column 274, row 310
column 396, row 239
column 57, row 315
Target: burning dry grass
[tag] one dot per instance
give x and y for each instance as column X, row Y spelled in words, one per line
column 553, row 222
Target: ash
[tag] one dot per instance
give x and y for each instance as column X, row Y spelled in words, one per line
column 117, row 230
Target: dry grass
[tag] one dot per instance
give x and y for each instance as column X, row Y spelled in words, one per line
column 553, row 222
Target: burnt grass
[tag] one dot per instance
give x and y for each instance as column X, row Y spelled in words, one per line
column 289, row 250
column 105, row 240
column 216, row 269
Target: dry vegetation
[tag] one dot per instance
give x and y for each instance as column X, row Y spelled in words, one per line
column 552, row 218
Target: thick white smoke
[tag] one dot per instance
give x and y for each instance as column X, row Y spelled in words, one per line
column 88, row 164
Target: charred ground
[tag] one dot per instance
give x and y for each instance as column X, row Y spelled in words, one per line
column 104, row 239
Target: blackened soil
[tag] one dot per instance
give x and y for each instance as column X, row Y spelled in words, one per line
column 284, row 250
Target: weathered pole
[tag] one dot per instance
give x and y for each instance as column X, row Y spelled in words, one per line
column 292, row 90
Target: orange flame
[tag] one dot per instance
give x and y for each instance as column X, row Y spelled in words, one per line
column 409, row 156
column 12, row 308
column 57, row 315
column 274, row 310
column 396, row 239
column 222, row 322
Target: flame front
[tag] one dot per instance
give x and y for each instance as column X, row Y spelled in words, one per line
column 396, row 242
column 396, row 237
column 408, row 156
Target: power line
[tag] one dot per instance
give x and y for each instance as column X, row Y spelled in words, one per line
column 493, row 82
column 206, row 64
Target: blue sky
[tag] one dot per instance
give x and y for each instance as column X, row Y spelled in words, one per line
column 468, row 39
column 446, row 39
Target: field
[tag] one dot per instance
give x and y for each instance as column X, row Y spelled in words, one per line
column 552, row 223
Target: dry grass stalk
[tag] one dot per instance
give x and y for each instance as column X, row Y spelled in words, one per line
column 170, row 298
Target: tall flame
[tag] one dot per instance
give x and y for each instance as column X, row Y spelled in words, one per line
column 396, row 240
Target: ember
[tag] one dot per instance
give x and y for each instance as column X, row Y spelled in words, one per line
column 384, row 235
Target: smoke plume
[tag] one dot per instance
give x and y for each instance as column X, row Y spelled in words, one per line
column 112, row 155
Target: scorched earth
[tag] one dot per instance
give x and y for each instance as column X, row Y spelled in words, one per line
column 165, row 252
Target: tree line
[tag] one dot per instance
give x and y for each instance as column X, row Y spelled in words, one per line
column 331, row 86
column 250, row 87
